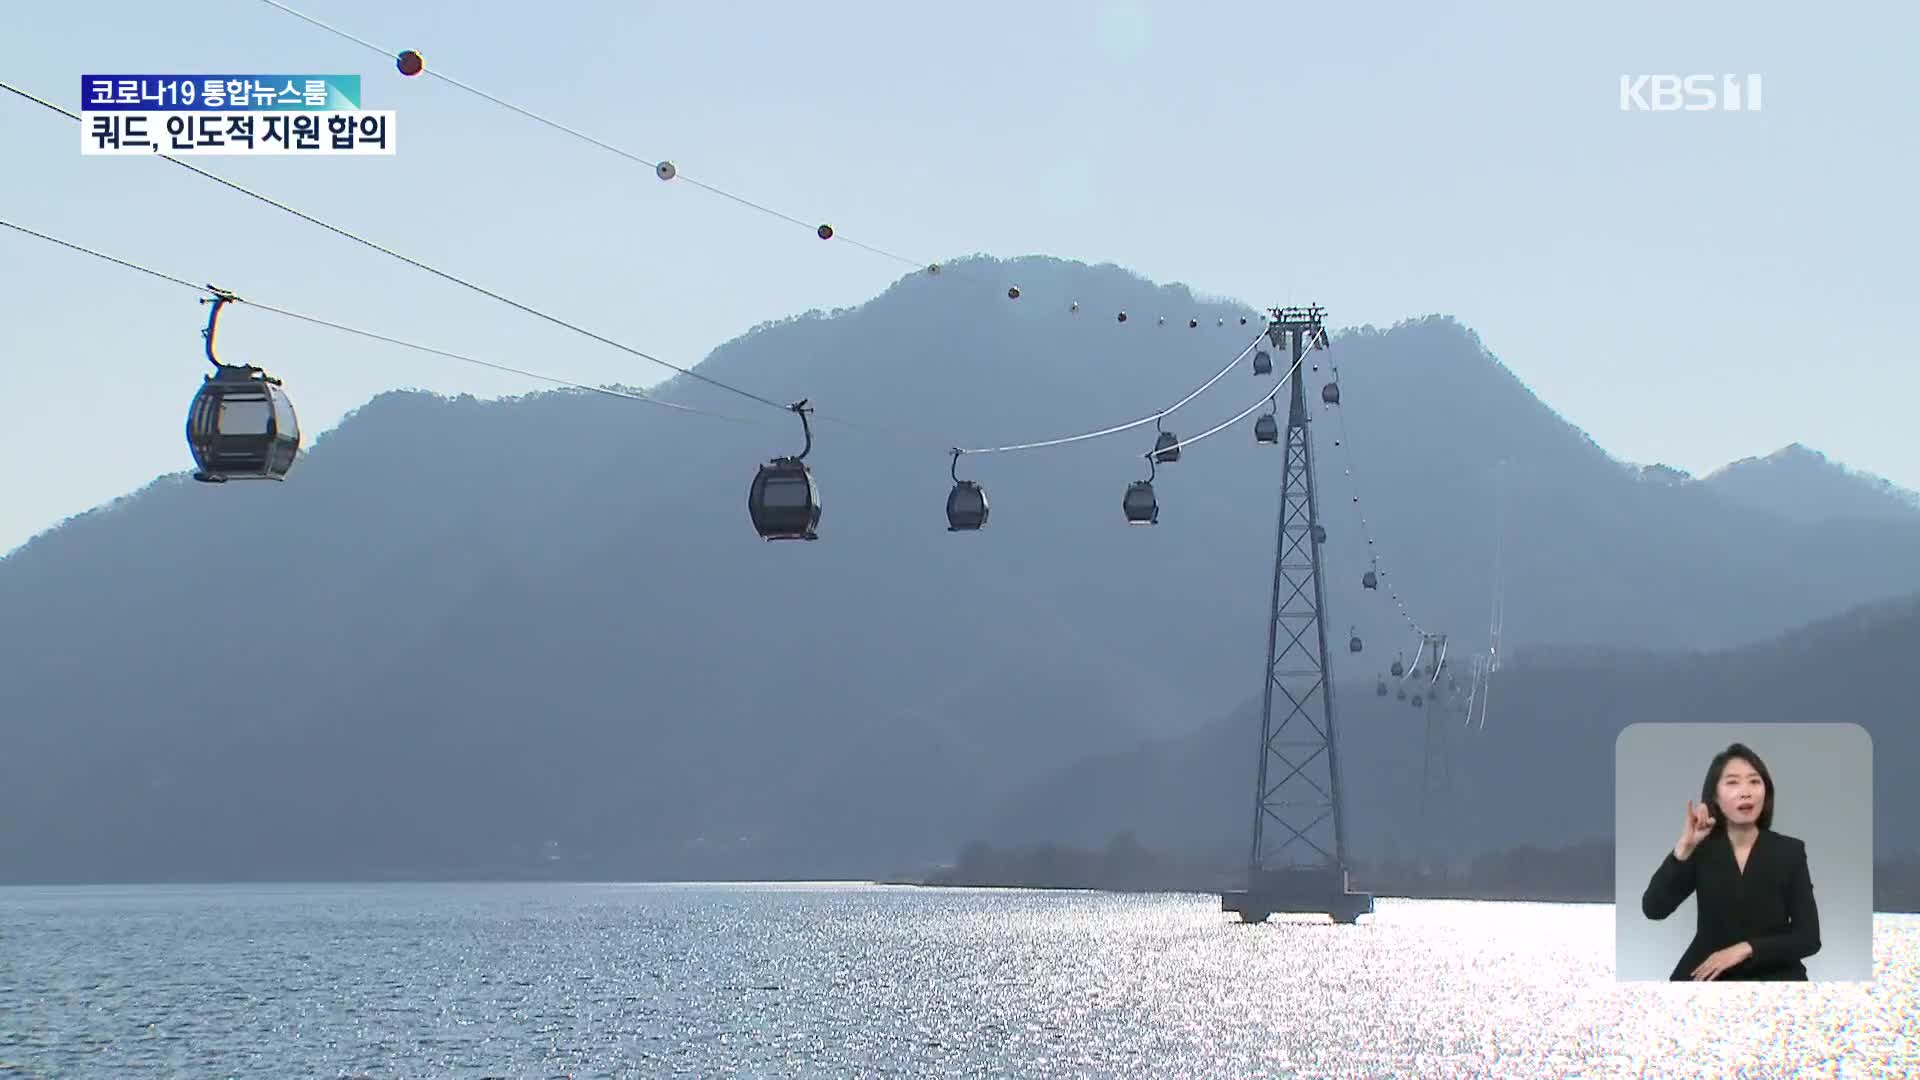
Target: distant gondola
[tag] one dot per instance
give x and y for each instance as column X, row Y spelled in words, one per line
column 784, row 500
column 1166, row 448
column 241, row 424
column 966, row 503
column 1266, row 429
column 1140, row 504
column 1330, row 393
column 1262, row 363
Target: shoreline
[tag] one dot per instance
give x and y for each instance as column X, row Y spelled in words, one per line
column 1910, row 906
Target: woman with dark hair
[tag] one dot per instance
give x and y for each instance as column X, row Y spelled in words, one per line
column 1756, row 916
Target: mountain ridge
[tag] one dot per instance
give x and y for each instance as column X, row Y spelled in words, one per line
column 1191, row 794
column 464, row 630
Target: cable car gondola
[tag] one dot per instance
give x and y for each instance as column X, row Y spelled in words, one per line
column 1319, row 534
column 1330, row 393
column 1262, row 363
column 966, row 503
column 1266, row 429
column 241, row 424
column 1141, row 507
column 1166, row 448
column 1417, row 701
column 1369, row 580
column 784, row 500
column 1399, row 670
column 1353, row 643
column 1380, row 688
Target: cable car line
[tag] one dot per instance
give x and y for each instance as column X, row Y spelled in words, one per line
column 423, row 266
column 758, row 486
column 608, row 391
column 1167, row 450
column 1473, row 691
column 1366, row 528
column 665, row 170
column 1486, row 664
column 1498, row 620
column 102, row 255
column 212, row 291
column 1117, row 428
column 579, row 329
column 1479, row 691
column 857, row 425
column 1270, row 395
column 411, row 63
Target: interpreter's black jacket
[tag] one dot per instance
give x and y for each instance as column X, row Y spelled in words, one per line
column 1769, row 906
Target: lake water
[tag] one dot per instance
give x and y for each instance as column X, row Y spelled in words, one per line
column 829, row 980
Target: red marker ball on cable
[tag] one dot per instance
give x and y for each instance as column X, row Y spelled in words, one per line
column 410, row 63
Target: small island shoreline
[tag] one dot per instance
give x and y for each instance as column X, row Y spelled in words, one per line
column 1577, row 874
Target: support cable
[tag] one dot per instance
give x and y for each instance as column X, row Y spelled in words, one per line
column 421, row 265
column 666, row 170
column 1115, row 429
column 211, row 291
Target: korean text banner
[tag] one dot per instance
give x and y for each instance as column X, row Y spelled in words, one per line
column 219, row 93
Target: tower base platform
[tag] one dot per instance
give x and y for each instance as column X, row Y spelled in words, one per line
column 1308, row 890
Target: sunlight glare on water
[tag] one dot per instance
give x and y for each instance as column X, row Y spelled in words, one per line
column 806, row 980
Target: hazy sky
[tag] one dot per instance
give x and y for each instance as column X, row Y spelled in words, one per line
column 1689, row 287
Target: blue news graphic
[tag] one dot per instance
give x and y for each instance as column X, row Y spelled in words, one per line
column 219, row 93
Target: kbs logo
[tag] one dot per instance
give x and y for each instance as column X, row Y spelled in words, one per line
column 1689, row 93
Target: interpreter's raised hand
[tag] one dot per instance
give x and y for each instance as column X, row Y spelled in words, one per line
column 1699, row 824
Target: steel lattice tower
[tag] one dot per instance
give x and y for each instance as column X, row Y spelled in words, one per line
column 1436, row 774
column 1298, row 861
